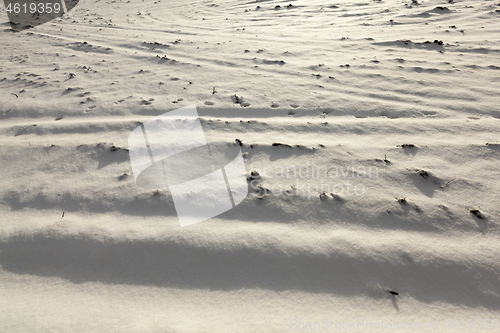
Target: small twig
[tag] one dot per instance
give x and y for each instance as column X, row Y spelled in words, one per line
column 443, row 186
column 10, row 99
column 213, row 93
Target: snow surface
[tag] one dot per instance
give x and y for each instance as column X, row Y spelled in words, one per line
column 361, row 93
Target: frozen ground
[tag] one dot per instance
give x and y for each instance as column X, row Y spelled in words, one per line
column 393, row 105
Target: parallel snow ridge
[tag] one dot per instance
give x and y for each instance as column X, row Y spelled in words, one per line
column 370, row 137
column 341, row 264
column 341, row 170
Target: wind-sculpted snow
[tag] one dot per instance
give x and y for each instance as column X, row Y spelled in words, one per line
column 369, row 134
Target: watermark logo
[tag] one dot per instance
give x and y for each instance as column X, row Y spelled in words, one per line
column 25, row 14
column 311, row 180
column 170, row 151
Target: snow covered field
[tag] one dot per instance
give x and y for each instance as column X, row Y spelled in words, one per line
column 386, row 179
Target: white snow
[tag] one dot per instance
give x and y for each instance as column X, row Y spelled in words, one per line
column 346, row 84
